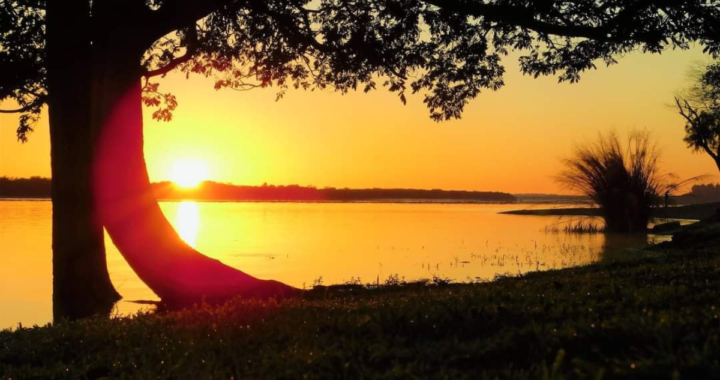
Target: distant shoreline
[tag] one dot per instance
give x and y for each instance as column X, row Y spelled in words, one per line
column 691, row 212
column 372, row 201
column 37, row 187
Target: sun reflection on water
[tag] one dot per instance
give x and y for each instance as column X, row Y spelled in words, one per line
column 298, row 243
column 187, row 221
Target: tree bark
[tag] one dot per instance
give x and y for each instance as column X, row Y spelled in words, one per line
column 81, row 283
column 124, row 197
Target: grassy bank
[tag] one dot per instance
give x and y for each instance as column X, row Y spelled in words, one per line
column 653, row 317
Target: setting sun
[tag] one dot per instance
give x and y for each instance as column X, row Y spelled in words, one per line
column 188, row 173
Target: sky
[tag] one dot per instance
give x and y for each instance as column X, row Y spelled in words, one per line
column 511, row 140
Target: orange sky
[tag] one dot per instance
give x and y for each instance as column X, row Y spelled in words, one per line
column 511, row 140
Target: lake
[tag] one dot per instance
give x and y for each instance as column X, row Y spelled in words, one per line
column 303, row 244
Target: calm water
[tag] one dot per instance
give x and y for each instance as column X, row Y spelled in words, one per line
column 305, row 243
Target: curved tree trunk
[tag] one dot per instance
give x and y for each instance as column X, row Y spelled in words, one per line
column 124, row 197
column 81, row 284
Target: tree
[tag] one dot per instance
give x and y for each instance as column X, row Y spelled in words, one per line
column 92, row 63
column 700, row 107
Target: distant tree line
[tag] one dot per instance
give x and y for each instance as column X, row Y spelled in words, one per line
column 702, row 193
column 38, row 187
column 219, row 191
column 33, row 187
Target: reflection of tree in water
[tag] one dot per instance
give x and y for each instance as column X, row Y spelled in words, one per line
column 623, row 247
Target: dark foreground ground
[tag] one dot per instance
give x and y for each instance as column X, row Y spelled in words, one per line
column 652, row 317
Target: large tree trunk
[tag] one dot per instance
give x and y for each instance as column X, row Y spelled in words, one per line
column 124, row 197
column 81, row 284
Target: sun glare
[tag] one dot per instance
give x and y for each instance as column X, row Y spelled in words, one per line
column 188, row 173
column 187, row 221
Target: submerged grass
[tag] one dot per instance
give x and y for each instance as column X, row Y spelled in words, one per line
column 650, row 318
column 578, row 227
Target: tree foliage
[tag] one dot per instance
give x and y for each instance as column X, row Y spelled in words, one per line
column 700, row 107
column 22, row 61
column 447, row 51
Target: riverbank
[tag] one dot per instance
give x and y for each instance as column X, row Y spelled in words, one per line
column 694, row 212
column 653, row 316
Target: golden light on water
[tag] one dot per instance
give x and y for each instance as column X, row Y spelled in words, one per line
column 187, row 221
column 297, row 243
column 188, row 173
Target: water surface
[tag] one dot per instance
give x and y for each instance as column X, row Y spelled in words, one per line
column 307, row 243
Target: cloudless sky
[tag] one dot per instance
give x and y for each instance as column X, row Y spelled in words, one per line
column 511, row 140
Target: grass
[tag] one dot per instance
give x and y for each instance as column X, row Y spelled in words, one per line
column 655, row 317
column 577, row 227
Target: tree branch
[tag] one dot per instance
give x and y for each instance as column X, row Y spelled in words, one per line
column 170, row 66
column 189, row 53
column 176, row 14
column 690, row 114
column 525, row 18
column 29, row 107
column 521, row 17
column 19, row 110
column 709, row 151
column 37, row 4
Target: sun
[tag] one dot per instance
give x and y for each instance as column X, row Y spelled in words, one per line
column 188, row 173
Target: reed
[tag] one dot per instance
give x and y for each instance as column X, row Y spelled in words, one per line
column 624, row 180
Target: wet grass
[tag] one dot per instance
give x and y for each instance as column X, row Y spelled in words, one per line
column 653, row 317
column 524, row 258
column 577, row 227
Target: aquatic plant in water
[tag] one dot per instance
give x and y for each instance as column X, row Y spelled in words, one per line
column 624, row 181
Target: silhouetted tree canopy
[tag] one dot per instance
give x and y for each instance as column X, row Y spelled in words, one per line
column 448, row 51
column 700, row 106
column 22, row 61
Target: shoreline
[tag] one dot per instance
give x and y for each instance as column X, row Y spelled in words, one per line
column 689, row 212
column 609, row 318
column 370, row 201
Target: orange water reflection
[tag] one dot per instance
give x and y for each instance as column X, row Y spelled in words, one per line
column 299, row 243
column 187, row 221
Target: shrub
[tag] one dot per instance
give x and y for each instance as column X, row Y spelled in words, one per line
column 625, row 182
